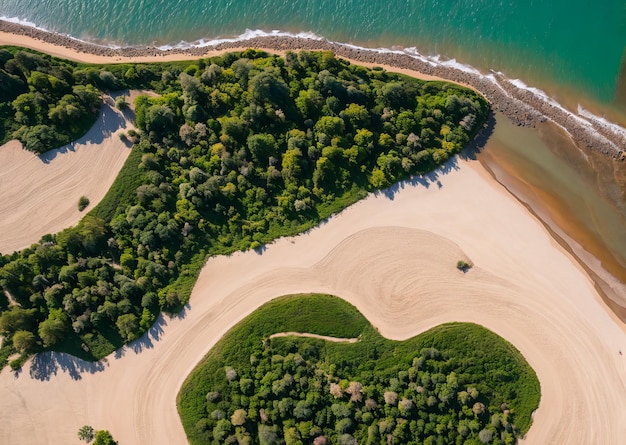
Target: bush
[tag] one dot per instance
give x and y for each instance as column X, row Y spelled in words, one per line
column 83, row 202
column 464, row 265
column 86, row 433
column 120, row 103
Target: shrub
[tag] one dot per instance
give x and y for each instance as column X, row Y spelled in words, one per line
column 83, row 202
column 86, row 433
column 120, row 103
column 464, row 265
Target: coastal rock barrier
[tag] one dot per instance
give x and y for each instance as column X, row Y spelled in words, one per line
column 522, row 106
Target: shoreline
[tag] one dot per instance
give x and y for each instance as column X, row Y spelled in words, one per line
column 522, row 106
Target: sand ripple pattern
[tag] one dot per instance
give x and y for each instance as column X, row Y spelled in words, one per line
column 394, row 257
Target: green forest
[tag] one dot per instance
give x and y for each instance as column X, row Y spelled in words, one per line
column 455, row 384
column 233, row 152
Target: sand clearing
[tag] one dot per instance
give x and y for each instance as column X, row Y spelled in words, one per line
column 394, row 256
column 39, row 194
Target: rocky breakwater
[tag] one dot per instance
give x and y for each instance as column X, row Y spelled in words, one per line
column 521, row 105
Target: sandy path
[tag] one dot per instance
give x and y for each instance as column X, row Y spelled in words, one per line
column 317, row 336
column 394, row 257
column 39, row 194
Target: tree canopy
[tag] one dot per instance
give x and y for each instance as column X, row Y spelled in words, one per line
column 455, row 384
column 233, row 152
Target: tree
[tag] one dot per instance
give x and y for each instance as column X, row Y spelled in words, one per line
column 330, row 125
column 24, row 341
column 239, row 417
column 128, row 326
column 103, row 437
column 53, row 329
column 159, row 119
column 86, row 433
column 485, row 435
column 261, row 147
column 39, row 138
column 478, row 408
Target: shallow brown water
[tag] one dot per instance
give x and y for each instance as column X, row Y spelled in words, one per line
column 578, row 195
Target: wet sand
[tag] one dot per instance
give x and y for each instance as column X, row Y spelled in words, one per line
column 561, row 190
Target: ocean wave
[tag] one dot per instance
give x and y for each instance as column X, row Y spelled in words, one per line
column 602, row 122
column 23, row 22
column 609, row 133
column 249, row 34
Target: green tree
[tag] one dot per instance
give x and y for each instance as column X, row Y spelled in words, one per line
column 86, row 433
column 128, row 326
column 103, row 437
column 53, row 329
column 24, row 341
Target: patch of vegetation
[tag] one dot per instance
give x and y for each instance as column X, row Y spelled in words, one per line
column 235, row 151
column 83, row 202
column 120, row 103
column 42, row 101
column 456, row 383
column 86, row 433
column 464, row 265
column 102, row 437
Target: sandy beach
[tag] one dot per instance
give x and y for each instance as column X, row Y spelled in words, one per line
column 39, row 194
column 393, row 255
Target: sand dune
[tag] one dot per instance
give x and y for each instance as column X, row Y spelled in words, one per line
column 39, row 194
column 393, row 255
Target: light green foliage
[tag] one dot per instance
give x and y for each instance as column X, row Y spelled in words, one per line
column 24, row 341
column 234, row 152
column 103, row 437
column 444, row 386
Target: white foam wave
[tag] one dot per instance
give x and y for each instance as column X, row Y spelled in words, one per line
column 23, row 22
column 583, row 116
column 602, row 122
column 249, row 34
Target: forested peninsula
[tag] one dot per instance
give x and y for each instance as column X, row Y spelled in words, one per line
column 233, row 151
column 454, row 384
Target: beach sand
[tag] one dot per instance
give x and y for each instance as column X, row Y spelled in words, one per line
column 392, row 255
column 39, row 194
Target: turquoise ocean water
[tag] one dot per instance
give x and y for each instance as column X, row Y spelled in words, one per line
column 573, row 43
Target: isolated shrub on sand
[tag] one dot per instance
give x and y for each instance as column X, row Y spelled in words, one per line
column 83, row 202
column 464, row 265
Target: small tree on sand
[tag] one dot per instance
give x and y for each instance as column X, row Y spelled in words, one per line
column 86, row 433
column 83, row 202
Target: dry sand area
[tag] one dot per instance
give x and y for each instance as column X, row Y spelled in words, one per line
column 393, row 255
column 39, row 194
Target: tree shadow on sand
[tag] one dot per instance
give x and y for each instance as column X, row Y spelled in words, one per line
column 46, row 365
column 427, row 179
column 108, row 123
